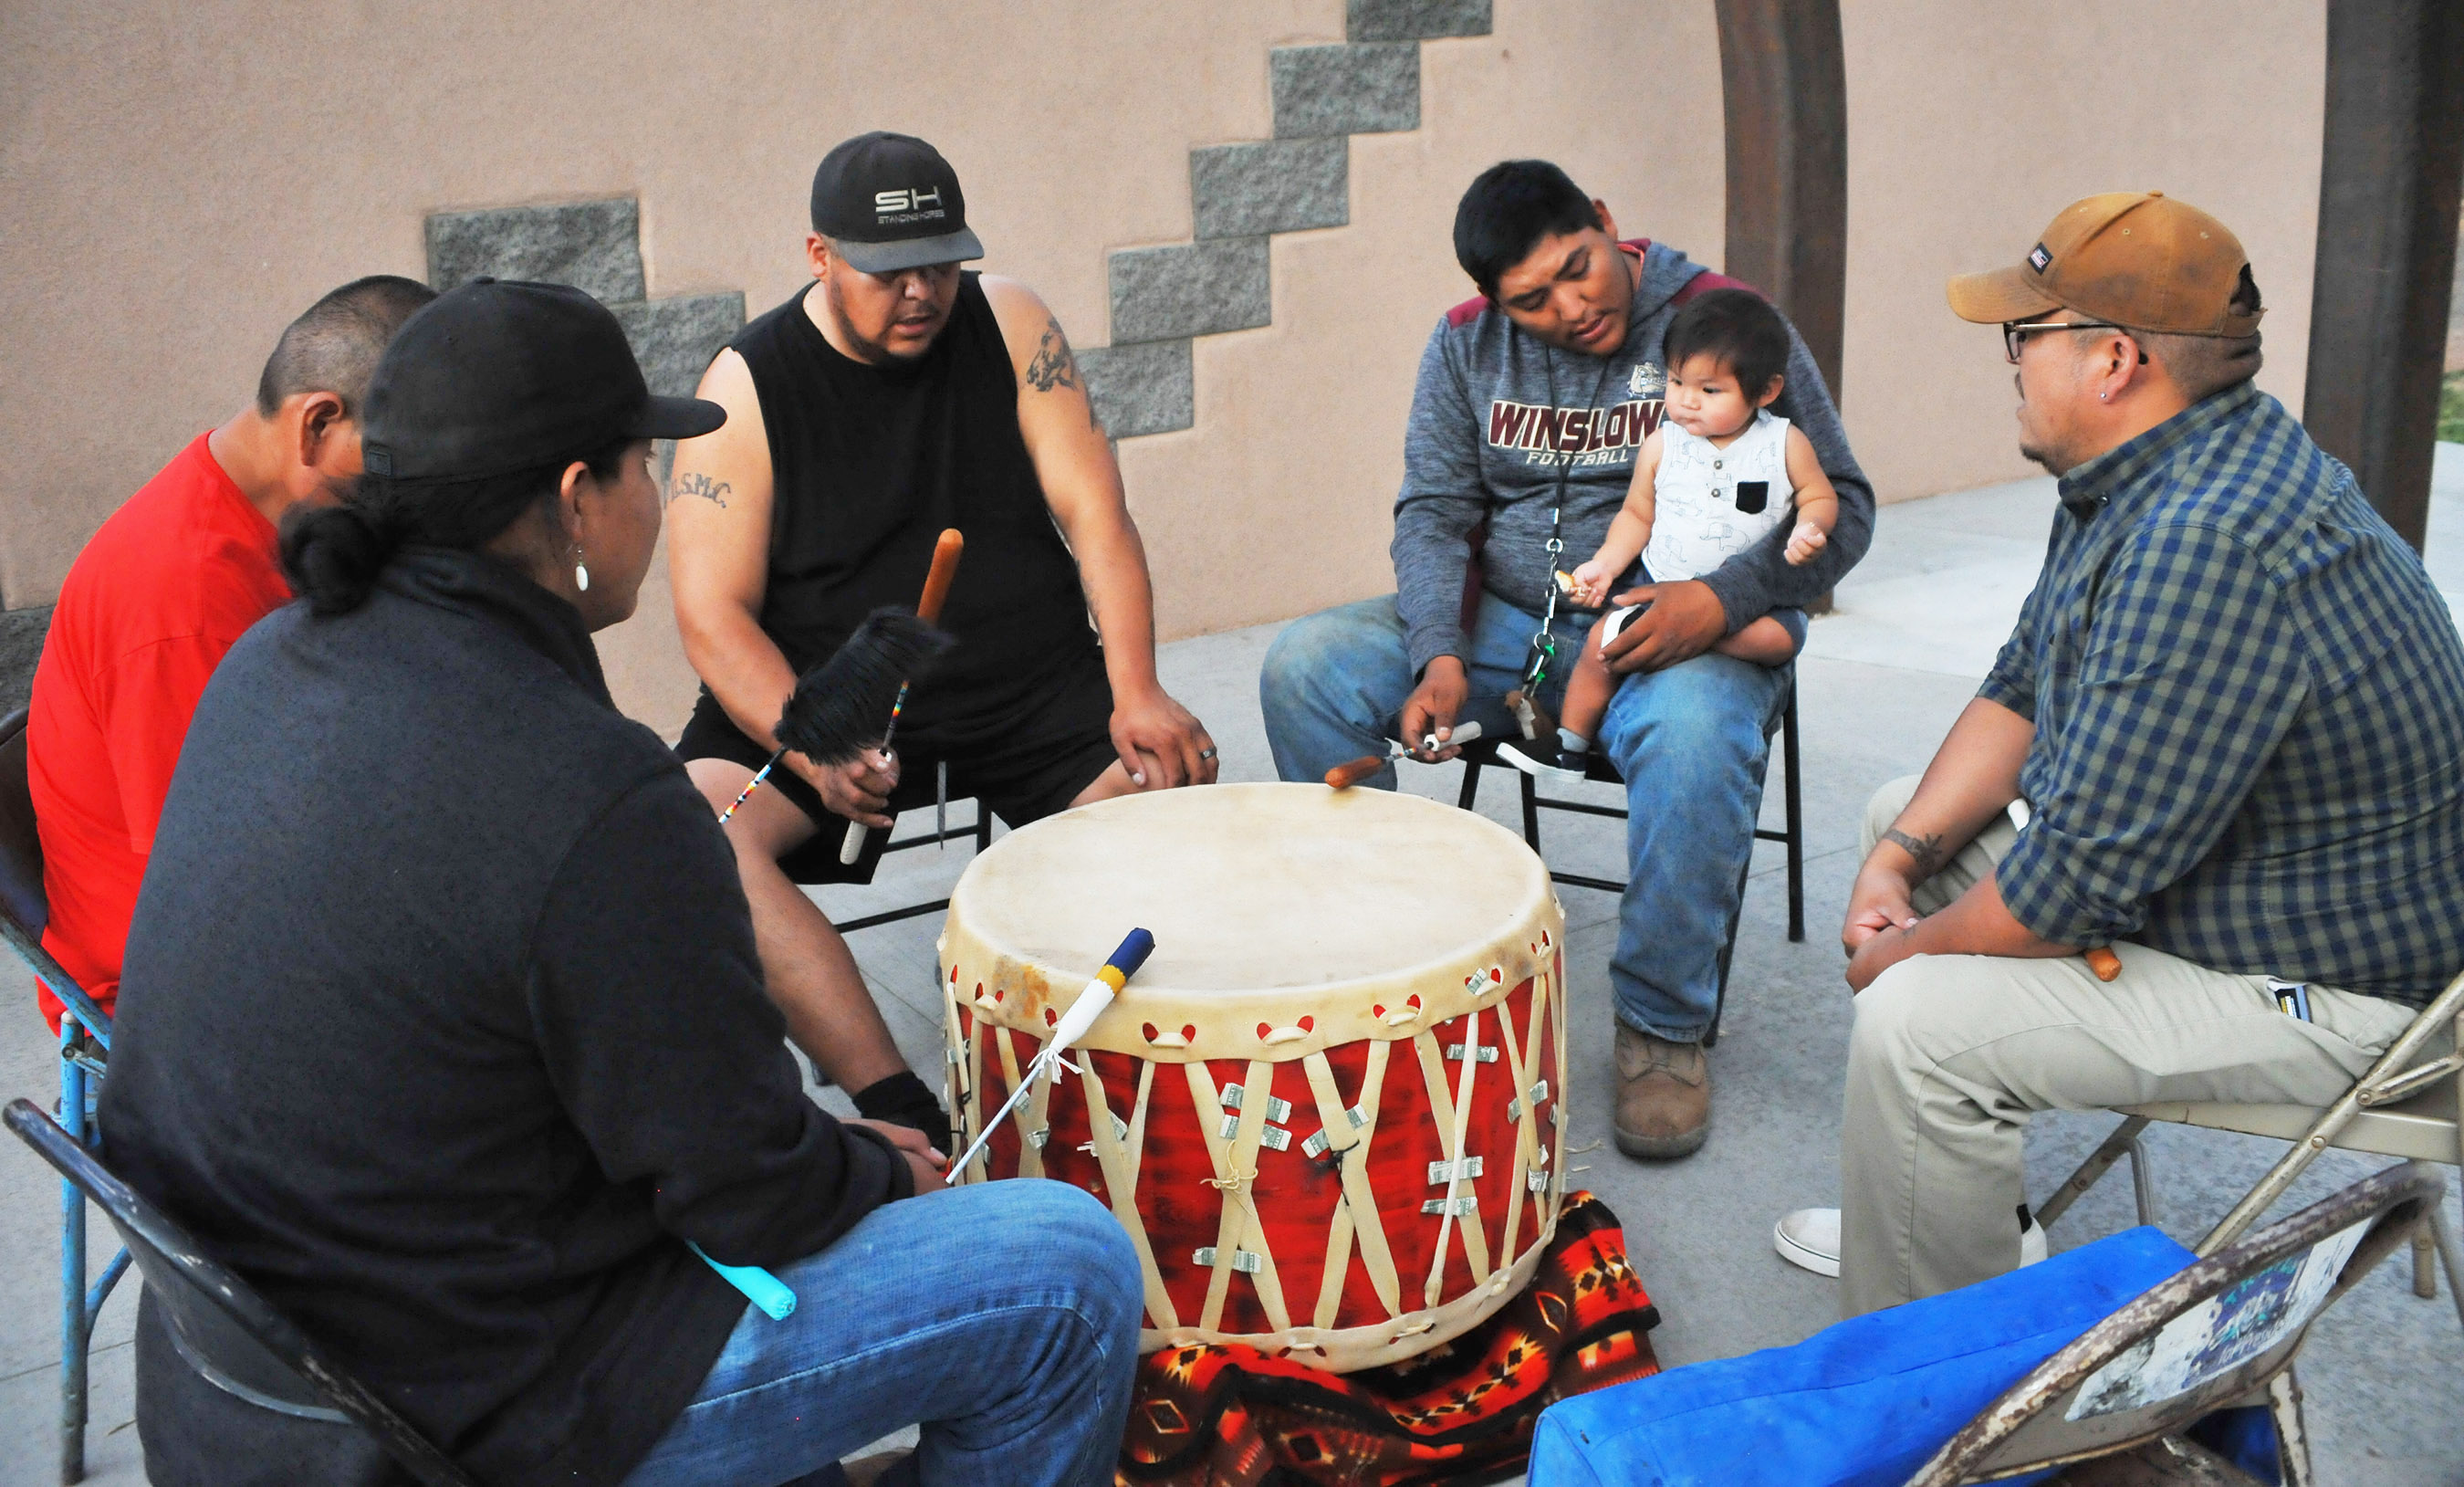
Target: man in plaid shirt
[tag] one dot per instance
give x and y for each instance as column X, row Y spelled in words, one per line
column 2226, row 740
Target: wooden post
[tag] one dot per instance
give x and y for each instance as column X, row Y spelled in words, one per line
column 2388, row 181
column 1786, row 95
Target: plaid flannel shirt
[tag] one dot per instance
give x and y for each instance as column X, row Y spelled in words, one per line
column 2249, row 710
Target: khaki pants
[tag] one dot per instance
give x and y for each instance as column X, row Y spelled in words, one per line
column 1952, row 1054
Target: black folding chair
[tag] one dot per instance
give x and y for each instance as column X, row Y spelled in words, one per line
column 2222, row 1332
column 85, row 1039
column 1482, row 754
column 222, row 1329
column 812, row 863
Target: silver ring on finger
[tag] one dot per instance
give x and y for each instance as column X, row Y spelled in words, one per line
column 1208, row 752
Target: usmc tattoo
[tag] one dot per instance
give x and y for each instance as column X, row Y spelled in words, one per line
column 693, row 482
column 1927, row 851
column 1052, row 366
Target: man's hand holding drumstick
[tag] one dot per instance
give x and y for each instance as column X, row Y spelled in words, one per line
column 859, row 789
column 1434, row 705
column 929, row 1165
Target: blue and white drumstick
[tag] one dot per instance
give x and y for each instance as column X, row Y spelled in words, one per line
column 759, row 1287
column 1073, row 1024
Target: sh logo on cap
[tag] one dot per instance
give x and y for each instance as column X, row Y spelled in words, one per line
column 2039, row 259
column 887, row 205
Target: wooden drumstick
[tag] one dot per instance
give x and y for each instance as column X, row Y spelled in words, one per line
column 1343, row 777
column 927, row 609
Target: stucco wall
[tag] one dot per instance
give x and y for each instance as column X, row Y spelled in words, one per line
column 1970, row 125
column 181, row 185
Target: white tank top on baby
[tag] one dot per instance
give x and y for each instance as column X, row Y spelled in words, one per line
column 1711, row 504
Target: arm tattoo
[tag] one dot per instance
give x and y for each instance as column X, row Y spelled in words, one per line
column 1927, row 851
column 693, row 482
column 1052, row 366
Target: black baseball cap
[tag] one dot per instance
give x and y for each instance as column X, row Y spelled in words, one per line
column 890, row 202
column 497, row 377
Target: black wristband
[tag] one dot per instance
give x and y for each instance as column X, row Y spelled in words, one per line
column 904, row 1099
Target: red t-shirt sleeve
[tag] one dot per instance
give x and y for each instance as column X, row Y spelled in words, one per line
column 148, row 697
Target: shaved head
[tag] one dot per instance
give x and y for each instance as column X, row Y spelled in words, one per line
column 334, row 346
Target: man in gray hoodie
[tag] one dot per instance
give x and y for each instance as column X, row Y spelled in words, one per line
column 1530, row 403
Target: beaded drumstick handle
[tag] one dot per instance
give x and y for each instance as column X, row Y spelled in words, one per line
column 1343, row 777
column 927, row 609
column 1098, row 994
column 829, row 716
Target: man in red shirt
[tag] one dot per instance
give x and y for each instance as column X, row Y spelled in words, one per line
column 156, row 598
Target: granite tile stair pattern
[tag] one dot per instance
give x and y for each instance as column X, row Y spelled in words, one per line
column 595, row 246
column 1242, row 193
column 21, row 646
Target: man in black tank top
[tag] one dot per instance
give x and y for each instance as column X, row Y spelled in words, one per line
column 894, row 397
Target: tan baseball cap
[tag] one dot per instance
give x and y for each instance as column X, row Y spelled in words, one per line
column 2136, row 259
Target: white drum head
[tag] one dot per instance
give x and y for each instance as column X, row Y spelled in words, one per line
column 1253, row 887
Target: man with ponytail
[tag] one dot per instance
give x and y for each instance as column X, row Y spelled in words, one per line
column 156, row 598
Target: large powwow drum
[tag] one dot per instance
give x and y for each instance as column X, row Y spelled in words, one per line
column 1327, row 1110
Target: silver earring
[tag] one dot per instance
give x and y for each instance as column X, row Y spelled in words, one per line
column 581, row 574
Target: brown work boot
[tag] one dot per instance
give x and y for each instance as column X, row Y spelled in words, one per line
column 1663, row 1105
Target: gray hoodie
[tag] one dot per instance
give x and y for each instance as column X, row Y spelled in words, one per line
column 1496, row 411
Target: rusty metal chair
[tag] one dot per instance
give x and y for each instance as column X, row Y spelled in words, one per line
column 2219, row 1332
column 86, row 1042
column 2404, row 1106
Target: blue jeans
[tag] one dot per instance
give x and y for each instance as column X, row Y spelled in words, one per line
column 1691, row 743
column 1001, row 1316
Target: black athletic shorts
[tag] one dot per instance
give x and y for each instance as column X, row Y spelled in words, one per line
column 1036, row 765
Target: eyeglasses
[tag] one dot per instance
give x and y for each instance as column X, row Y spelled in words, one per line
column 2015, row 333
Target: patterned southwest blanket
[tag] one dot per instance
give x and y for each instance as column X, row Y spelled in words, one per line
column 1232, row 1416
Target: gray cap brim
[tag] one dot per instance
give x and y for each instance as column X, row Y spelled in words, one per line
column 910, row 252
column 676, row 418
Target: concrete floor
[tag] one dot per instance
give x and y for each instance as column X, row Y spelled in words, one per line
column 1917, row 624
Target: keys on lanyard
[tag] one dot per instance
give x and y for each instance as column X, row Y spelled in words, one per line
column 1543, row 640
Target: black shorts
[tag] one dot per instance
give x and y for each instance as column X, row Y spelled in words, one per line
column 1041, row 759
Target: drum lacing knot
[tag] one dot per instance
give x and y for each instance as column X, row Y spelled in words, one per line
column 1232, row 1184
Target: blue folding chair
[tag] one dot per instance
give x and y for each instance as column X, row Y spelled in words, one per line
column 85, row 1039
column 2120, row 1348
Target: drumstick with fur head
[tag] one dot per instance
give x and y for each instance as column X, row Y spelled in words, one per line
column 1098, row 994
column 936, row 590
column 1343, row 777
column 828, row 718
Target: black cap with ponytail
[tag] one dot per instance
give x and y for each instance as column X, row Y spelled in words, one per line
column 480, row 403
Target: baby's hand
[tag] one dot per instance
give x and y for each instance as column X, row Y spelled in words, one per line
column 1592, row 585
column 1804, row 542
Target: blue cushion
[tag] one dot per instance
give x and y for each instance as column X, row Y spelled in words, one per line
column 1862, row 1404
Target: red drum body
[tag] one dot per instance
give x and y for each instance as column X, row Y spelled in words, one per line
column 1327, row 1111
